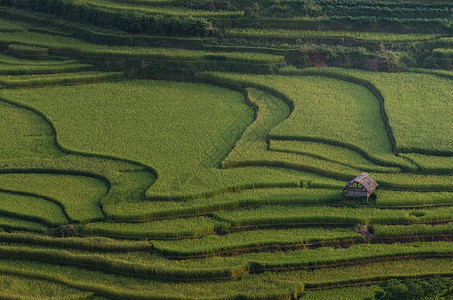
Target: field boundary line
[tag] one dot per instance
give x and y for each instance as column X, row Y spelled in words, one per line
column 371, row 280
column 237, row 84
column 369, row 86
column 86, row 154
column 49, row 199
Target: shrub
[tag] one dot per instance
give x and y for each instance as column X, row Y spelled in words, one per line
column 436, row 288
column 64, row 231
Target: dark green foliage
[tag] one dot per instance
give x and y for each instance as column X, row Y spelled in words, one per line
column 392, row 24
column 440, row 59
column 130, row 21
column 366, row 11
column 436, row 288
column 64, row 231
column 384, row 61
column 261, row 7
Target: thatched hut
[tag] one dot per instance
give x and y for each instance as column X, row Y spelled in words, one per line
column 360, row 187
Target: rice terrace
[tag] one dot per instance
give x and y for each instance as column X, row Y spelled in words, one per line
column 226, row 149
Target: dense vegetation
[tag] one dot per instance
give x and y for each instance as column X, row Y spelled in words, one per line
column 185, row 149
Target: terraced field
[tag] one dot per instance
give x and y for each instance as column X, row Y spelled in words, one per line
column 169, row 149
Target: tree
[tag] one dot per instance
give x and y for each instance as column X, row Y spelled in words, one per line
column 436, row 288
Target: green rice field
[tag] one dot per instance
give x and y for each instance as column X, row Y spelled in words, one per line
column 179, row 149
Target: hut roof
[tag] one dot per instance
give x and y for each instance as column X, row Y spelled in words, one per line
column 365, row 181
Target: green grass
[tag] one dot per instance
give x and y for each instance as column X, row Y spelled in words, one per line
column 124, row 263
column 251, row 149
column 118, row 286
column 316, row 99
column 27, row 51
column 377, row 37
column 275, row 196
column 372, row 272
column 389, row 180
column 168, row 11
column 411, row 101
column 158, row 209
column 415, row 182
column 245, row 198
column 65, row 45
column 79, row 195
column 149, row 134
column 399, row 198
column 17, row 287
column 139, row 260
column 327, row 152
column 16, row 69
column 176, row 228
column 148, row 110
column 224, row 163
column 303, row 215
column 150, row 2
column 10, row 223
column 23, row 62
column 323, row 257
column 32, row 208
column 443, row 53
column 257, row 239
column 10, row 26
column 270, row 112
column 352, row 293
column 431, row 163
column 262, row 285
column 128, row 182
column 440, row 73
column 60, row 78
column 148, row 265
column 94, row 244
column 28, row 145
column 412, row 230
column 24, row 134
